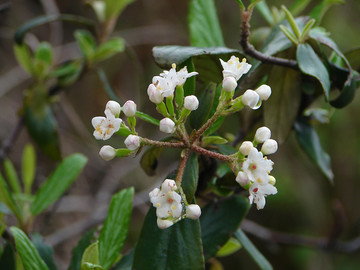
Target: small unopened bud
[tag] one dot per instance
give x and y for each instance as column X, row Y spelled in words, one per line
column 269, row 147
column 250, row 98
column 229, row 84
column 132, row 142
column 107, row 152
column 167, row 125
column 264, row 91
column 154, row 94
column 242, row 179
column 262, row 134
column 113, row 107
column 272, row 180
column 168, row 185
column 193, row 211
column 245, row 147
column 129, row 108
column 164, row 223
column 191, row 103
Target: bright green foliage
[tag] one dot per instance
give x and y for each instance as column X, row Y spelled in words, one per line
column 230, row 247
column 28, row 167
column 11, row 176
column 90, row 258
column 8, row 199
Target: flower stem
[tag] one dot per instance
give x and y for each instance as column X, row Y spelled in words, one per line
column 205, row 152
column 181, row 168
column 163, row 144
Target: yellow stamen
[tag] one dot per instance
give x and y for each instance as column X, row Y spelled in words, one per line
column 259, row 180
column 173, row 207
column 173, row 65
column 158, row 204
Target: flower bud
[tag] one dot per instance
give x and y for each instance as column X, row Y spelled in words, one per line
column 193, row 211
column 262, row 134
column 113, row 107
column 107, row 152
column 250, row 98
column 264, row 91
column 164, row 223
column 167, row 125
column 132, row 142
column 168, row 185
column 242, row 179
column 191, row 103
column 245, row 147
column 229, row 84
column 269, row 147
column 154, row 94
column 272, row 180
column 129, row 108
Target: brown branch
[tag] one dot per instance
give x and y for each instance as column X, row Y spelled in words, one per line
column 181, row 169
column 205, row 152
column 251, row 51
column 163, row 144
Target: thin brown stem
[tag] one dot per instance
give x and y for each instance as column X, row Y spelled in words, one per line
column 204, row 127
column 181, row 169
column 163, row 144
column 205, row 152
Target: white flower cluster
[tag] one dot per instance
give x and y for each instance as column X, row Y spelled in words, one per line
column 256, row 168
column 169, row 205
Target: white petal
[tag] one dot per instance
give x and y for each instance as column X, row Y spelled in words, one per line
column 97, row 121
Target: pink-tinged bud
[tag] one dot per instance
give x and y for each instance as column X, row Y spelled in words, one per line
column 168, row 185
column 107, row 152
column 113, row 107
column 242, row 179
column 132, row 142
column 193, row 211
column 229, row 84
column 167, row 125
column 245, row 147
column 269, row 147
column 272, row 180
column 251, row 98
column 264, row 91
column 262, row 134
column 155, row 95
column 129, row 108
column 191, row 103
column 164, row 223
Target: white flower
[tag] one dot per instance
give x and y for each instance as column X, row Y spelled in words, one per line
column 272, row 180
column 191, row 103
column 183, row 74
column 235, row 68
column 262, row 134
column 164, row 223
column 264, row 91
column 245, row 147
column 258, row 193
column 269, row 147
column 193, row 211
column 229, row 84
column 252, row 99
column 166, row 86
column 242, row 179
column 105, row 127
column 167, row 125
column 257, row 167
column 107, row 152
column 112, row 107
column 129, row 108
column 132, row 142
column 154, row 93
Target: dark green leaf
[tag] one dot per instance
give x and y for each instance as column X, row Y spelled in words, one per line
column 79, row 250
column 189, row 86
column 28, row 167
column 213, row 140
column 125, row 262
column 346, row 96
column 147, row 118
column 58, row 182
column 27, row 251
column 354, row 58
column 24, row 58
column 265, row 11
column 226, row 149
column 108, row 49
column 108, row 89
column 45, row 252
column 311, row 144
column 220, row 220
column 214, row 127
column 90, row 258
column 7, row 198
column 68, row 73
column 230, row 247
column 86, row 43
column 7, row 259
column 114, row 7
column 174, row 248
column 319, row 11
column 149, row 160
column 260, row 260
column 190, row 178
column 204, row 25
column 12, row 176
column 114, row 232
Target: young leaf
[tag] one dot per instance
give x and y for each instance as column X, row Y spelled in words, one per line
column 58, row 182
column 305, row 32
column 114, row 232
column 86, row 43
column 45, row 252
column 68, row 73
column 123, row 152
column 190, row 178
column 43, row 59
column 28, row 167
column 11, row 176
column 147, row 118
column 24, row 58
column 7, row 258
column 213, row 140
column 77, row 252
column 310, row 64
column 108, row 49
column 219, row 220
column 291, row 20
column 7, row 198
column 230, row 247
column 260, row 260
column 204, row 25
column 289, row 34
column 177, row 247
column 27, row 251
column 90, row 258
column 113, row 8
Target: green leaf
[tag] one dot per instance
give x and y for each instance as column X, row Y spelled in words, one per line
column 45, row 252
column 204, row 25
column 7, row 198
column 28, row 167
column 68, row 73
column 311, row 144
column 289, row 34
column 264, row 10
column 319, row 11
column 12, row 176
column 77, row 252
column 27, row 251
column 114, row 232
column 58, row 182
column 125, row 262
column 298, row 6
column 113, row 8
column 190, row 177
column 311, row 64
column 124, row 131
column 23, row 56
column 108, row 89
column 147, row 118
column 305, row 32
column 230, row 247
column 43, row 59
column 4, row 210
column 90, row 258
column 219, row 220
column 291, row 20
column 213, row 140
column 123, row 152
column 206, row 60
column 7, row 258
column 280, row 113
column 86, row 43
column 108, row 49
column 214, row 127
column 259, row 259
column 149, row 160
column 177, row 247
column 347, row 94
